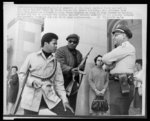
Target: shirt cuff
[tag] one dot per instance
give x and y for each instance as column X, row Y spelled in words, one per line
column 64, row 98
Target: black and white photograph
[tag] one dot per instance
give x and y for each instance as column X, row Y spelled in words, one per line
column 74, row 61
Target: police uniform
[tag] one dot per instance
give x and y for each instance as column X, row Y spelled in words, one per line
column 124, row 56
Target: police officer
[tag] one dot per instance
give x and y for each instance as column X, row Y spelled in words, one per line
column 121, row 76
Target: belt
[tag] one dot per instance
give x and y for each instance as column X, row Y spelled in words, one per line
column 121, row 74
column 116, row 77
column 42, row 79
column 117, row 74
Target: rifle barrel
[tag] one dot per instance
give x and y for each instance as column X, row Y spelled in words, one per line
column 90, row 50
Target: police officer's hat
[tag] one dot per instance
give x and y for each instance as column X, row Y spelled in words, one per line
column 73, row 36
column 123, row 29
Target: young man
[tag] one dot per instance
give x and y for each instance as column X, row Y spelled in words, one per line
column 45, row 85
column 121, row 76
column 69, row 58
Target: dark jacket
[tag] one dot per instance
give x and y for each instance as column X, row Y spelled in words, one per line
column 13, row 89
column 67, row 61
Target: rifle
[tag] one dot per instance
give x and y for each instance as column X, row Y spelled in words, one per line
column 81, row 73
column 82, row 64
column 15, row 108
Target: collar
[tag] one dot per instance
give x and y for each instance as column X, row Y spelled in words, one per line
column 71, row 49
column 125, row 43
column 40, row 52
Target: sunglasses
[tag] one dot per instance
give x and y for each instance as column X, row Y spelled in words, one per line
column 74, row 42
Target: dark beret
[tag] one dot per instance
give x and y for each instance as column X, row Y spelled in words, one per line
column 123, row 29
column 73, row 36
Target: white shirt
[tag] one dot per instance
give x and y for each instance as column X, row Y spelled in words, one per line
column 124, row 56
column 139, row 76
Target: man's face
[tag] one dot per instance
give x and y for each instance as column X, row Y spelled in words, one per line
column 72, row 43
column 51, row 46
column 118, row 38
column 138, row 66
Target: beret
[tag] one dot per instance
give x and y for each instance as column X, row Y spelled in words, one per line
column 73, row 36
column 123, row 29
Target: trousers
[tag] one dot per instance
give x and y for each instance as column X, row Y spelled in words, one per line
column 119, row 104
column 72, row 100
column 58, row 109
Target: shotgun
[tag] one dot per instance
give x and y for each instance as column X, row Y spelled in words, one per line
column 81, row 73
column 83, row 63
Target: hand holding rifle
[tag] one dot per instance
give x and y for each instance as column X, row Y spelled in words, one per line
column 78, row 70
column 75, row 71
